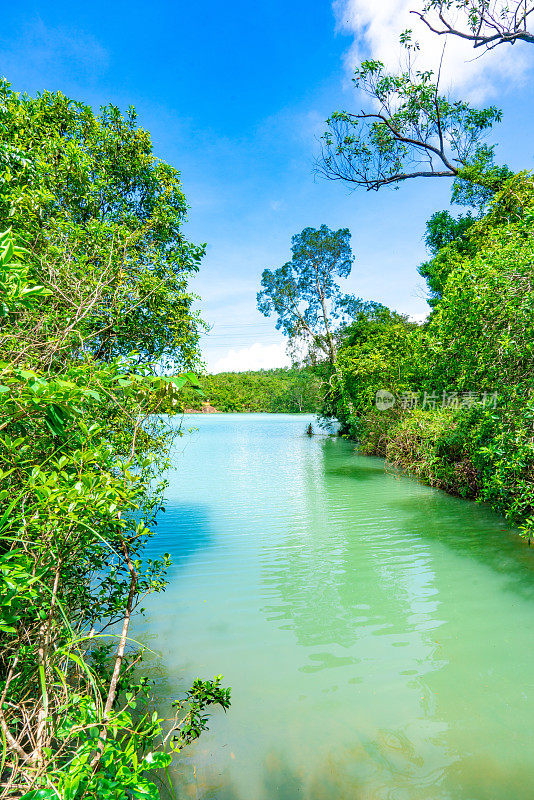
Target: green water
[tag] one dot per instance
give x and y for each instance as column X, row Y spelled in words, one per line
column 377, row 634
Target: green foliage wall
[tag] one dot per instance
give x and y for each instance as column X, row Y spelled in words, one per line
column 380, row 349
column 479, row 338
column 90, row 306
column 482, row 333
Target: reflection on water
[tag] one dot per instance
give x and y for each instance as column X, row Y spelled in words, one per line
column 182, row 528
column 376, row 633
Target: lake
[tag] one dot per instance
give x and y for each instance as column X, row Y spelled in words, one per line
column 377, row 634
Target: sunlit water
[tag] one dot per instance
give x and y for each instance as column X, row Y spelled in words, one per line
column 378, row 635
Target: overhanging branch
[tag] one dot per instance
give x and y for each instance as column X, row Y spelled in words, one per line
column 491, row 30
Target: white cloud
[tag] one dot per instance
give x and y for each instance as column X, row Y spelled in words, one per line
column 257, row 356
column 377, row 26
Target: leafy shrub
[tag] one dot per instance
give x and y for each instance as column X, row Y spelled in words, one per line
column 430, row 445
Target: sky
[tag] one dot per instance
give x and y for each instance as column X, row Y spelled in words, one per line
column 235, row 95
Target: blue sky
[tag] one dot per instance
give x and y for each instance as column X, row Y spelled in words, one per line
column 235, row 95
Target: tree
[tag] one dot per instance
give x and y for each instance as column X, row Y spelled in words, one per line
column 485, row 322
column 414, row 132
column 479, row 181
column 302, row 393
column 442, row 229
column 445, row 235
column 99, row 212
column 380, row 349
column 304, row 294
column 485, row 23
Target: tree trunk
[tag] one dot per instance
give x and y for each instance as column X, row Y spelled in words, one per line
column 345, row 399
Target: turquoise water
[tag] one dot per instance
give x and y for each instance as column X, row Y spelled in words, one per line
column 377, row 634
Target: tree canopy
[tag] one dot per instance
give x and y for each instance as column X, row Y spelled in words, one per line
column 87, row 191
column 445, row 234
column 411, row 130
column 304, row 294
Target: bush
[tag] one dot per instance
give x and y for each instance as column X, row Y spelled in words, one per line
column 431, row 445
column 479, row 453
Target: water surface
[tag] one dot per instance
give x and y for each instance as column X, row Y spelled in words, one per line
column 377, row 634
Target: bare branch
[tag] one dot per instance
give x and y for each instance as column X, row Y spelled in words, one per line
column 486, row 24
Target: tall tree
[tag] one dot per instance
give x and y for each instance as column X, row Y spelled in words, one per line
column 484, row 23
column 410, row 131
column 304, row 294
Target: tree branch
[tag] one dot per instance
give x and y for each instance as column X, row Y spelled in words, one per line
column 112, row 692
column 515, row 30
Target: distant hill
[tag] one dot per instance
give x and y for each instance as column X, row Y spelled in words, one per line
column 284, row 390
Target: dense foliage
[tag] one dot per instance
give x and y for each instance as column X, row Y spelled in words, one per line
column 97, row 292
column 269, row 390
column 101, row 217
column 463, row 383
column 443, row 229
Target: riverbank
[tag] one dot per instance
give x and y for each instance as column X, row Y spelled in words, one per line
column 473, row 453
column 459, row 407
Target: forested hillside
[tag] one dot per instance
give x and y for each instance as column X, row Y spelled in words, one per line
column 271, row 390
